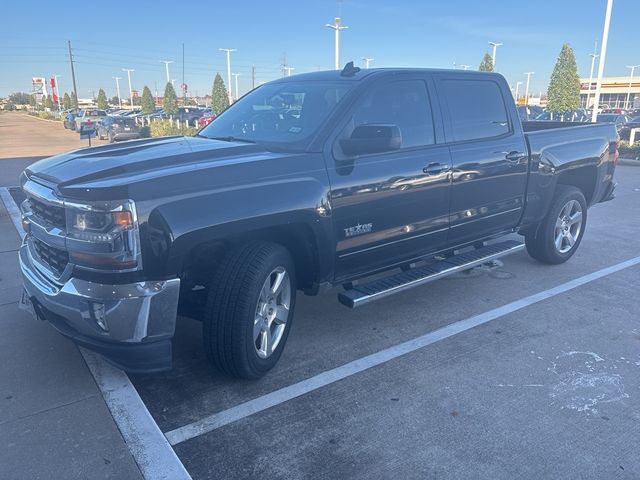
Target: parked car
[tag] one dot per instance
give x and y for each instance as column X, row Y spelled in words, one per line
column 69, row 121
column 85, row 116
column 227, row 226
column 188, row 114
column 206, row 119
column 620, row 121
column 529, row 112
column 580, row 115
column 617, row 111
column 118, row 128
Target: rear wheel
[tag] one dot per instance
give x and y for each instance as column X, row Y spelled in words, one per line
column 111, row 137
column 249, row 309
column 559, row 234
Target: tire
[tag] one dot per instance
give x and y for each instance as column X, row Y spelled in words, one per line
column 558, row 237
column 111, row 137
column 237, row 308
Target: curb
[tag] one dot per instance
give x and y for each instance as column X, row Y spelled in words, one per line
column 43, row 119
column 629, row 162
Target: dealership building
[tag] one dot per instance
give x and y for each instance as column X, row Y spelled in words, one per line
column 613, row 92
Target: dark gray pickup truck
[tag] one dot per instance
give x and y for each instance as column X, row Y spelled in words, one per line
column 307, row 182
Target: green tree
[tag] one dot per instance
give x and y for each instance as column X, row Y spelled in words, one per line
column 48, row 102
column 114, row 100
column 32, row 100
column 20, row 98
column 74, row 100
column 170, row 103
column 564, row 87
column 219, row 95
column 148, row 103
column 66, row 101
column 487, row 63
column 102, row 100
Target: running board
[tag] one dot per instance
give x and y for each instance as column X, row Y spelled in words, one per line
column 368, row 292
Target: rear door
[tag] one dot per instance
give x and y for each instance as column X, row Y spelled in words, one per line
column 488, row 154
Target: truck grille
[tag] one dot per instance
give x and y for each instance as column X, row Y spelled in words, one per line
column 51, row 214
column 55, row 258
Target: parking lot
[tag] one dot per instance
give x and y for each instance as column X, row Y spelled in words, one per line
column 513, row 370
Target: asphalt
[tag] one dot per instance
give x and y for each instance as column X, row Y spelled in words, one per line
column 551, row 390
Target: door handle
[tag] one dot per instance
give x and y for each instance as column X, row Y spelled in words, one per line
column 512, row 157
column 435, row 168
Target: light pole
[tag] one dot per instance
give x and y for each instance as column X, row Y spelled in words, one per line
column 603, row 54
column 464, row 67
column 129, row 70
column 633, row 69
column 495, row 47
column 337, row 27
column 117, row 79
column 526, row 92
column 367, row 61
column 288, row 70
column 58, row 91
column 517, row 89
column 228, row 50
column 235, row 77
column 166, row 65
column 593, row 63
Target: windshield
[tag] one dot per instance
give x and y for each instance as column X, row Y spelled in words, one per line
column 281, row 114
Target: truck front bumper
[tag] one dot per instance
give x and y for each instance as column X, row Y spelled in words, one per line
column 131, row 325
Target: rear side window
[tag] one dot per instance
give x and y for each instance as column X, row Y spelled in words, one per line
column 403, row 103
column 476, row 108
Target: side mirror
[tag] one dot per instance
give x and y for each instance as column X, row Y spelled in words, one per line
column 372, row 139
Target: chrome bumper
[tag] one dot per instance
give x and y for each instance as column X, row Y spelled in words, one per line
column 130, row 324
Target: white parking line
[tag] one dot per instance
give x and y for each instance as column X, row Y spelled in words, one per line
column 148, row 446
column 217, row 420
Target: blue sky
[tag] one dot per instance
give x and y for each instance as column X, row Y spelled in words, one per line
column 118, row 35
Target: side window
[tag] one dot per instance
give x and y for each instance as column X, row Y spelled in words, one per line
column 402, row 103
column 476, row 108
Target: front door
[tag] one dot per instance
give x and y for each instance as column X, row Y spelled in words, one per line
column 390, row 207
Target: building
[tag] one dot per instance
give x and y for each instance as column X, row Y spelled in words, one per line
column 613, row 92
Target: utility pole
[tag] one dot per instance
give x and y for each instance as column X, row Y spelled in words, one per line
column 129, row 70
column 117, row 79
column 228, row 50
column 235, row 77
column 336, row 27
column 593, row 63
column 633, row 68
column 603, row 54
column 253, row 77
column 166, row 65
column 526, row 93
column 495, row 47
column 367, row 61
column 55, row 77
column 517, row 89
column 73, row 73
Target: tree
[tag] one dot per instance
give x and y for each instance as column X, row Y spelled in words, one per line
column 102, row 100
column 170, row 103
column 66, row 101
column 32, row 100
column 48, row 102
column 148, row 103
column 114, row 100
column 487, row 63
column 219, row 95
column 74, row 100
column 20, row 98
column 564, row 87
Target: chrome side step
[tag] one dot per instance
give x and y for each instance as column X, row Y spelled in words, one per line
column 368, row 292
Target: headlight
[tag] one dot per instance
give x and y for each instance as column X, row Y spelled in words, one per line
column 103, row 235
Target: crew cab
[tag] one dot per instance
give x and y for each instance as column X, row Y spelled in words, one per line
column 88, row 116
column 307, row 182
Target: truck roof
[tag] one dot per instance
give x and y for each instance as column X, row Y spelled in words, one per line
column 336, row 75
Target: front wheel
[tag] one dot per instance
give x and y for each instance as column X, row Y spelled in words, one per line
column 249, row 309
column 559, row 234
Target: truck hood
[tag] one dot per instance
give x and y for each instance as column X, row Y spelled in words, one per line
column 110, row 167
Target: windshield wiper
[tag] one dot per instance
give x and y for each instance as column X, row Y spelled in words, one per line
column 232, row 139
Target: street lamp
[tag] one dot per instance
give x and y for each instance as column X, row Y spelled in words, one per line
column 288, row 70
column 633, row 68
column 526, row 93
column 228, row 50
column 166, row 65
column 367, row 61
column 495, row 47
column 337, row 27
column 129, row 70
column 117, row 79
column 517, row 89
column 603, row 54
column 593, row 63
column 235, row 76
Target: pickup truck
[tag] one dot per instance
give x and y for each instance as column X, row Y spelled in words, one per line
column 86, row 116
column 308, row 182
